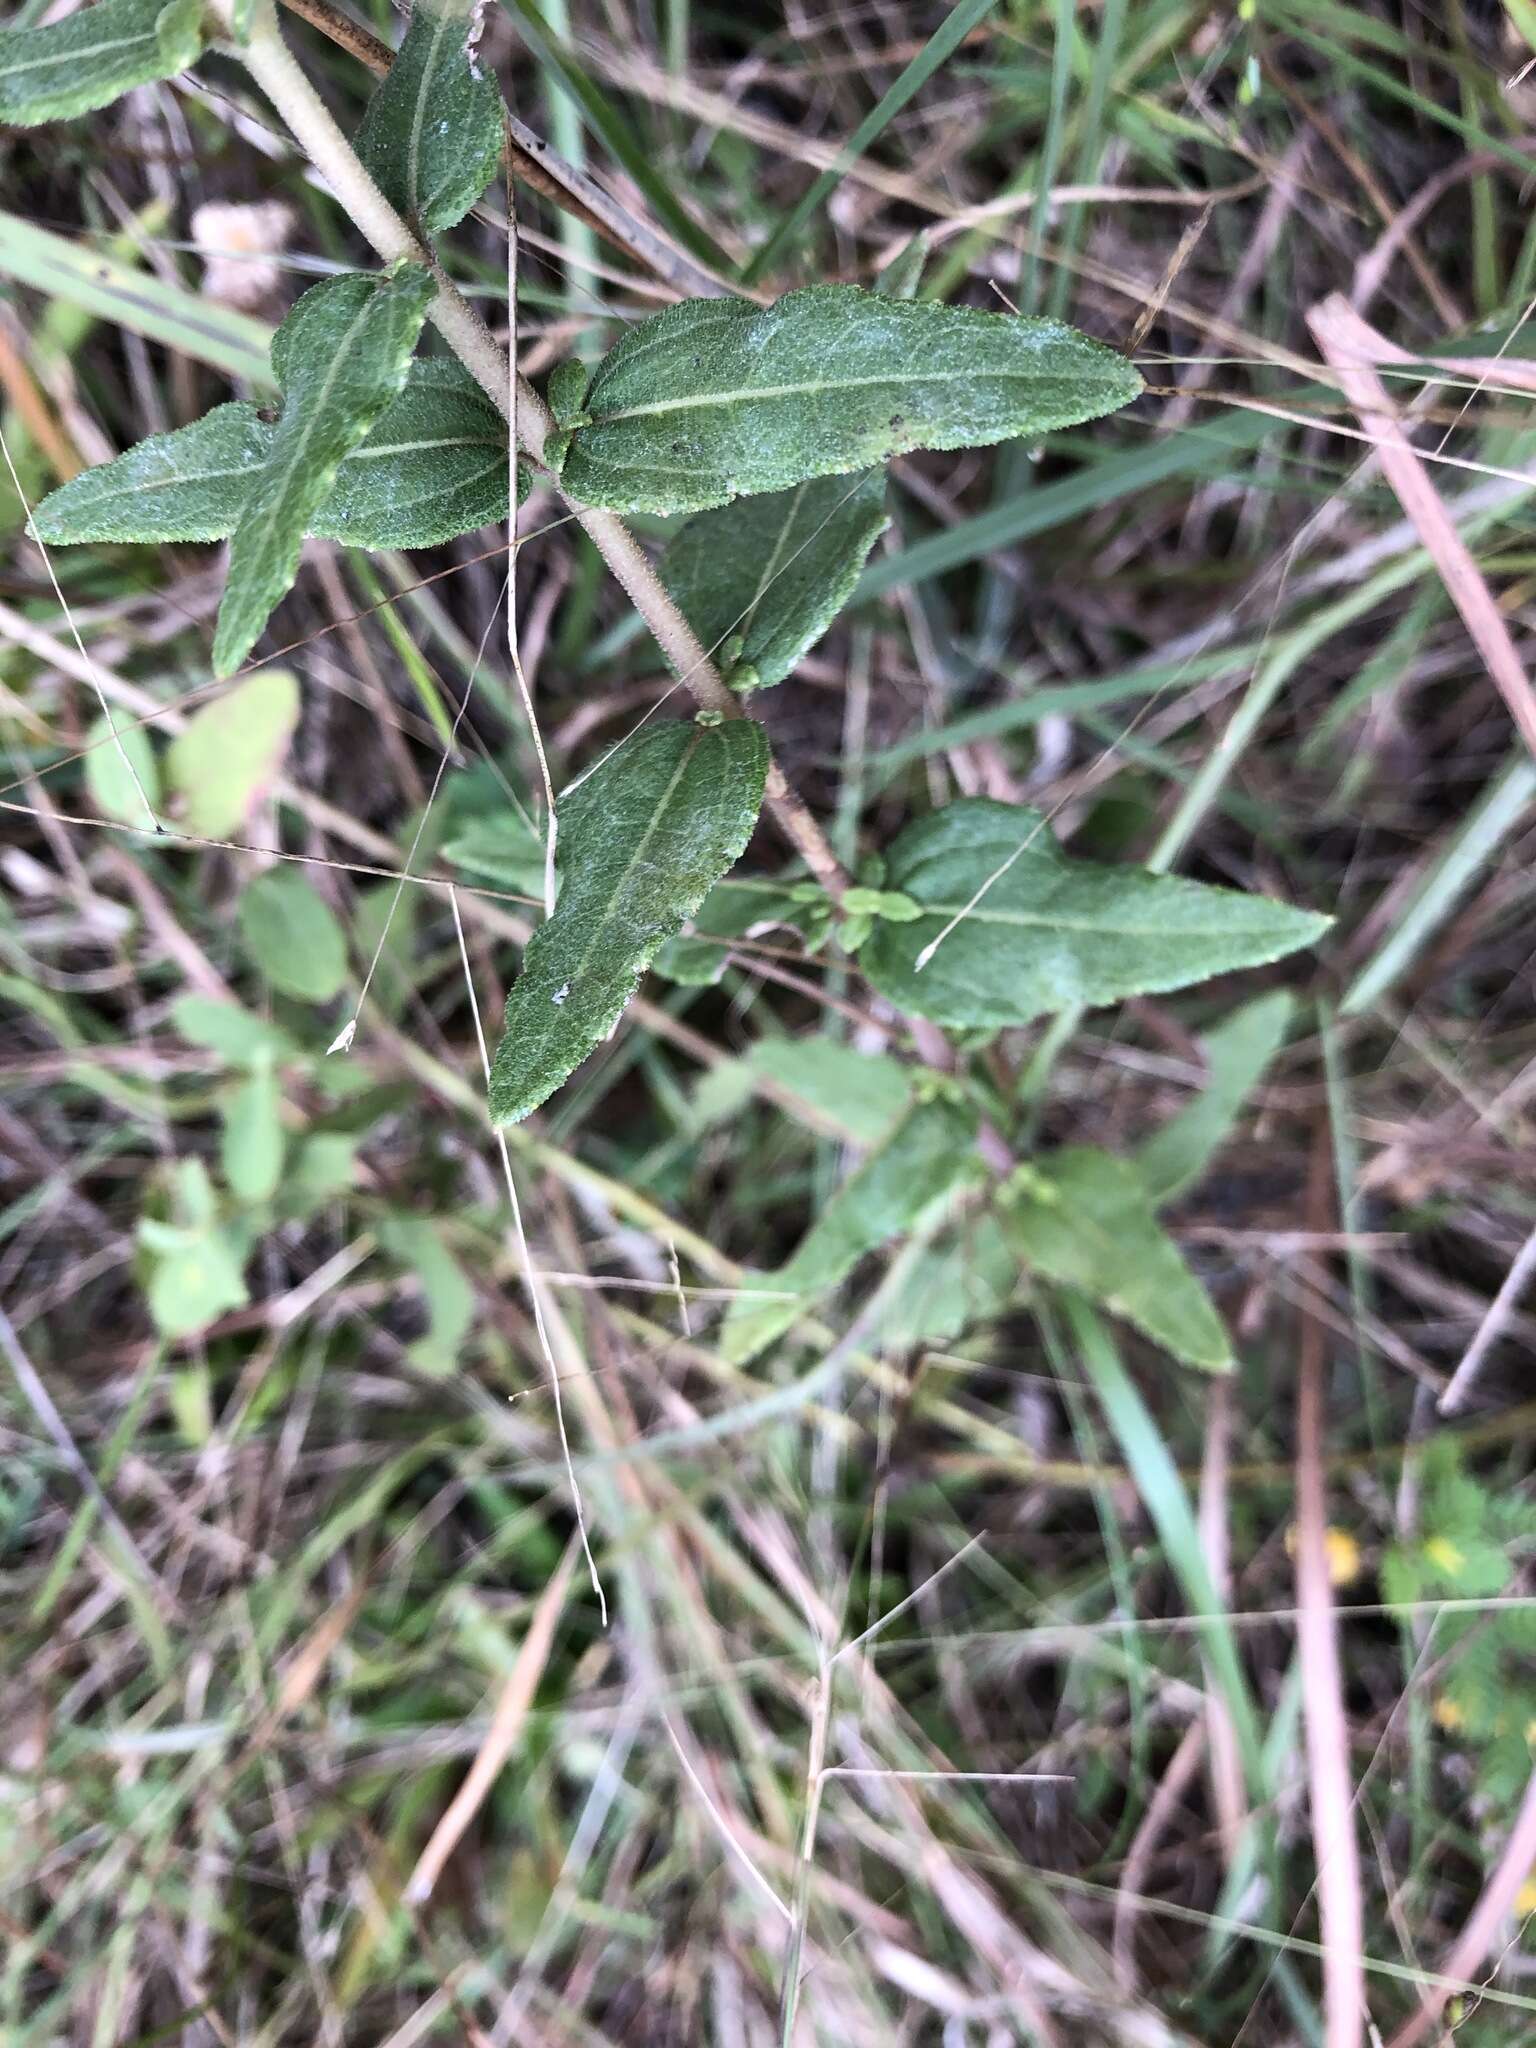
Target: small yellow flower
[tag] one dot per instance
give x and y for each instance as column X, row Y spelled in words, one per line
column 1343, row 1554
column 1448, row 1715
column 1525, row 1898
column 1444, row 1556
column 1341, row 1551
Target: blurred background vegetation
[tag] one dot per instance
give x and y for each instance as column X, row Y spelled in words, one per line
column 311, row 1728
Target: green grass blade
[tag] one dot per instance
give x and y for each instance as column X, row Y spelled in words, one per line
column 1482, row 833
column 941, row 45
column 614, row 131
column 116, row 292
column 1165, row 1500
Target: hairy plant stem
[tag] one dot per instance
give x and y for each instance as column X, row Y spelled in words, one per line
column 273, row 66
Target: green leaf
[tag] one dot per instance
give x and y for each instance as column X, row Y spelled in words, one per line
column 1084, row 1219
column 110, row 780
column 504, row 848
column 432, row 132
column 697, row 957
column 237, row 1035
column 325, row 1169
column 1035, row 932
column 768, row 576
column 736, row 910
column 192, row 1284
column 716, row 397
column 228, row 753
column 862, row 1094
column 434, row 466
column 340, row 357
column 190, row 485
column 953, row 1287
column 1237, row 1051
column 446, row 1292
column 829, row 1087
column 643, row 839
column 292, row 936
column 920, row 1163
column 194, row 1268
column 90, row 58
column 251, row 1147
column 566, row 391
column 88, row 276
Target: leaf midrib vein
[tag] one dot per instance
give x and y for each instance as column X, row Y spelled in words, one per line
column 808, row 388
column 1032, row 921
column 79, row 55
column 685, row 760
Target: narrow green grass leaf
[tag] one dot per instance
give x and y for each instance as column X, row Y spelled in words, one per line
column 762, row 580
column 1237, row 1051
column 1473, row 845
column 642, row 841
column 93, row 56
column 715, row 398
column 432, row 134
column 1084, row 1219
column 615, row 132
column 228, row 753
column 919, row 1165
column 1011, row 928
column 88, row 277
column 1152, row 1466
column 340, row 357
column 293, row 937
column 1041, row 508
column 940, row 46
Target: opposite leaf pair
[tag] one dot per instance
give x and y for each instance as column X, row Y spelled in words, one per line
column 370, row 448
column 993, row 924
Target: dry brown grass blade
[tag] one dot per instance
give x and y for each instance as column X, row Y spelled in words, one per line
column 507, row 1720
column 1492, row 1327
column 33, row 410
column 1331, row 1787
column 1182, row 1766
column 1349, row 348
column 303, row 1670
column 1184, row 248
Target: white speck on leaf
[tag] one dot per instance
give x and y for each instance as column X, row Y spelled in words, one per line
column 561, row 993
